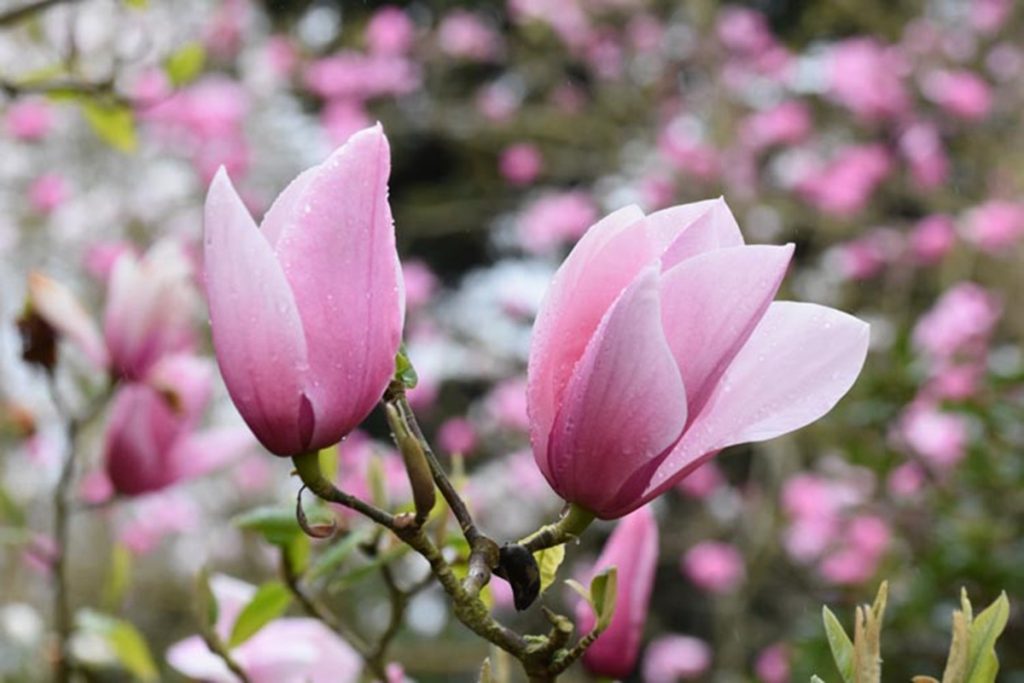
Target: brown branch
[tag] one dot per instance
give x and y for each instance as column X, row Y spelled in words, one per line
column 18, row 14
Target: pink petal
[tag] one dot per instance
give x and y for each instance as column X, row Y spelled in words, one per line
column 599, row 267
column 624, row 405
column 57, row 305
column 711, row 305
column 257, row 334
column 337, row 249
column 684, row 231
column 800, row 360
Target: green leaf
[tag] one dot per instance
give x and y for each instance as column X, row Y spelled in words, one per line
column 206, row 604
column 367, row 570
column 137, row 4
column 485, row 672
column 296, row 554
column 270, row 602
column 278, row 524
column 404, row 371
column 10, row 512
column 112, row 123
column 124, row 640
column 118, row 577
column 603, row 591
column 982, row 662
column 548, row 561
column 580, row 589
column 335, row 555
column 840, row 644
column 815, row 679
column 183, row 65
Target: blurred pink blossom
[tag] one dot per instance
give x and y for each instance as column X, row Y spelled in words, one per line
column 287, row 650
column 506, row 404
column 702, row 482
column 390, row 31
column 466, row 35
column 845, row 185
column 772, row 664
column 420, row 283
column 940, row 438
column 962, row 93
column 714, row 566
column 995, row 225
column 554, row 219
column 932, row 238
column 29, row 119
column 354, row 75
column 961, row 320
column 47, row 192
column 906, row 480
column 520, row 164
column 867, row 77
column 744, row 31
column 498, row 102
column 342, row 117
column 687, row 153
column 786, row 123
column 866, row 256
column 566, row 17
column 921, row 146
column 988, row 16
column 457, row 435
column 864, row 543
column 155, row 517
column 671, row 658
column 100, row 257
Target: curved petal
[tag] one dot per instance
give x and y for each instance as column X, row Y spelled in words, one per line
column 337, row 249
column 624, row 405
column 193, row 658
column 204, row 452
column 141, row 431
column 58, row 306
column 798, row 363
column 711, row 305
column 599, row 267
column 257, row 333
column 682, row 232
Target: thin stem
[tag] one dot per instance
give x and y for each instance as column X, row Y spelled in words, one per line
column 61, row 605
column 308, row 467
column 17, row 14
column 573, row 522
column 216, row 646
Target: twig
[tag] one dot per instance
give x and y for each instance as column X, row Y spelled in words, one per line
column 216, row 646
column 13, row 16
column 61, row 604
column 572, row 523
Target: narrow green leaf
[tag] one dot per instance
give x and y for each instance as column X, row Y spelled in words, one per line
column 10, row 512
column 548, row 561
column 118, row 577
column 485, row 672
column 132, row 651
column 404, row 371
column 270, row 602
column 137, row 4
column 296, row 554
column 112, row 123
column 840, row 644
column 185, row 64
column 580, row 589
column 127, row 644
column 337, row 553
column 956, row 662
column 278, row 524
column 815, row 679
column 206, row 604
column 603, row 591
column 982, row 662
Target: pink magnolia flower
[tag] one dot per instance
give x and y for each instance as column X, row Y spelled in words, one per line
column 101, row 257
column 390, row 31
column 288, row 650
column 152, row 440
column 58, row 306
column 658, row 345
column 633, row 550
column 420, row 283
column 47, row 192
column 671, row 658
column 866, row 77
column 29, row 119
column 506, row 404
column 520, row 164
column 307, row 309
column 150, row 304
column 963, row 94
column 714, row 566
